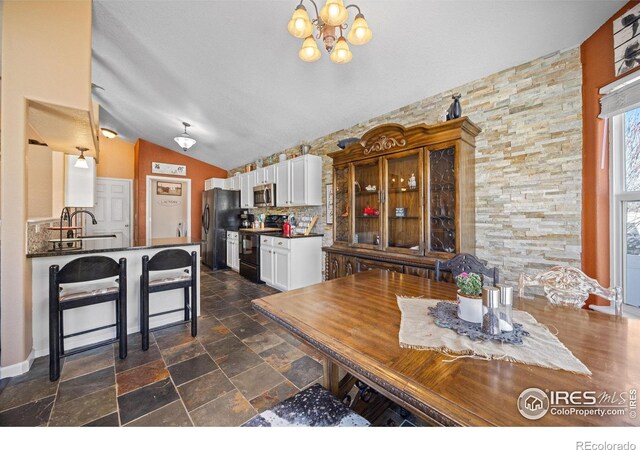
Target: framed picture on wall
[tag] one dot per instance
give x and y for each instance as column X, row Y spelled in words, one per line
column 329, row 203
column 165, row 188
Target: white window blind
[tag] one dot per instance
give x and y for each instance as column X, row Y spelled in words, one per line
column 620, row 96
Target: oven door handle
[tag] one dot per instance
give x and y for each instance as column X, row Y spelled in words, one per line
column 265, row 196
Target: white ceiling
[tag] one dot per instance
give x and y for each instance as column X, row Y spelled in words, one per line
column 231, row 69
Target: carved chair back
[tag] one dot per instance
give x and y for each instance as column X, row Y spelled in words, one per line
column 465, row 262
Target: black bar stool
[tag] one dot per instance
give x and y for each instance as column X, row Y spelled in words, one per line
column 73, row 295
column 182, row 267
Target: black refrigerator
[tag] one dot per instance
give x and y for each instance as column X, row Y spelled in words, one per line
column 220, row 212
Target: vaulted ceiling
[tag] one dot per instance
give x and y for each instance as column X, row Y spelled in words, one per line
column 231, row 69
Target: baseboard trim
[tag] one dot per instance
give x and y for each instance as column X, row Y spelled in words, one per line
column 19, row 368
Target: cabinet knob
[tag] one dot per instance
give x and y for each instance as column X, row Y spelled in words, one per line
column 279, row 243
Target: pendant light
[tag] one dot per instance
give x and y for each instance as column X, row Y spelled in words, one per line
column 300, row 25
column 81, row 162
column 184, row 140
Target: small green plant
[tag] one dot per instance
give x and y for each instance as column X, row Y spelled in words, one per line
column 470, row 284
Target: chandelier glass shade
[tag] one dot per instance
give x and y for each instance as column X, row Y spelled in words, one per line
column 300, row 25
column 184, row 140
column 330, row 22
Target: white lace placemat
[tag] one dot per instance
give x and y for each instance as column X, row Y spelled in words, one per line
column 541, row 348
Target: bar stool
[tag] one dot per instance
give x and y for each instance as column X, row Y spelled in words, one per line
column 74, row 295
column 176, row 269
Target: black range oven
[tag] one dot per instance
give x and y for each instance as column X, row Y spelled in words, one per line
column 250, row 247
column 250, row 255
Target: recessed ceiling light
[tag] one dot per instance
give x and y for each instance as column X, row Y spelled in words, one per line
column 109, row 134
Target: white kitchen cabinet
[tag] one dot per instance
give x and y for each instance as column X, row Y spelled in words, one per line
column 232, row 183
column 266, row 264
column 233, row 250
column 80, row 183
column 212, row 183
column 247, row 182
column 281, row 269
column 266, row 175
column 287, row 264
column 282, row 184
column 299, row 181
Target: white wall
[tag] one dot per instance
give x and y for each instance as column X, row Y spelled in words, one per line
column 167, row 211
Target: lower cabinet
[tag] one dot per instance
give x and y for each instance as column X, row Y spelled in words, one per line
column 233, row 251
column 287, row 264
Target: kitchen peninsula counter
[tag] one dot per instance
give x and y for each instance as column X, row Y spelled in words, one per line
column 102, row 246
column 104, row 314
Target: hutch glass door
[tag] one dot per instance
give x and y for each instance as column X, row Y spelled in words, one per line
column 341, row 214
column 403, row 203
column 442, row 200
column 367, row 197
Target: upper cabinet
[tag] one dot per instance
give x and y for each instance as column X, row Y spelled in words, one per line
column 266, row 175
column 232, row 183
column 247, row 182
column 407, row 191
column 299, row 181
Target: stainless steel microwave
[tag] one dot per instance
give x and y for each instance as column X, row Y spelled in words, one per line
column 264, row 195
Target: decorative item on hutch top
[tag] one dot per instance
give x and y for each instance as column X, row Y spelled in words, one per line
column 330, row 22
column 455, row 110
column 469, row 299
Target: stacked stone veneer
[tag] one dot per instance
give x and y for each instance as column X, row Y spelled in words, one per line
column 528, row 161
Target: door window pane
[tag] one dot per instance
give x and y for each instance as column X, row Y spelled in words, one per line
column 632, row 150
column 632, row 269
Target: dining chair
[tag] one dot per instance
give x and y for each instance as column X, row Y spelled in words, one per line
column 566, row 285
column 465, row 262
column 312, row 407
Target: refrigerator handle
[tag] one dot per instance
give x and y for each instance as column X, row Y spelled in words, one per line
column 206, row 219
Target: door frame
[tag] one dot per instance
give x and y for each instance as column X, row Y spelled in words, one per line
column 131, row 209
column 150, row 179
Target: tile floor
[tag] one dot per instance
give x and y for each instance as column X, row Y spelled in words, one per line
column 239, row 365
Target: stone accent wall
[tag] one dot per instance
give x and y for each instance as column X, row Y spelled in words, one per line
column 528, row 161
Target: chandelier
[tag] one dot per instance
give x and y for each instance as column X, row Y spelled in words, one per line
column 330, row 22
column 184, row 140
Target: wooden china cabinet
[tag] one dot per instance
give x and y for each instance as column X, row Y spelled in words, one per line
column 403, row 197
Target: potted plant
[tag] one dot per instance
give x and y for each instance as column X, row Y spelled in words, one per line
column 469, row 297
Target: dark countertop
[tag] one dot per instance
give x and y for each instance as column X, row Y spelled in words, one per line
column 98, row 246
column 296, row 236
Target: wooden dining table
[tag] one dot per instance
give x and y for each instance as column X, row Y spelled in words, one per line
column 354, row 322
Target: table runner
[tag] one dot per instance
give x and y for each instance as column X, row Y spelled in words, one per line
column 541, row 348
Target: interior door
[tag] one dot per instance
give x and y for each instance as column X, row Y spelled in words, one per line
column 112, row 210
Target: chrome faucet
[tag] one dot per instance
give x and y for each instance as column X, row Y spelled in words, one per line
column 67, row 215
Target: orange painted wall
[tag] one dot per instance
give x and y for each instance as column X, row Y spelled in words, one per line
column 597, row 71
column 197, row 171
column 116, row 159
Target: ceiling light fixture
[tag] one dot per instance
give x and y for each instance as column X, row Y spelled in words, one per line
column 184, row 140
column 109, row 134
column 330, row 22
column 81, row 162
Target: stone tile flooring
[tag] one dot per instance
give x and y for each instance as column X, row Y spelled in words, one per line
column 239, row 365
